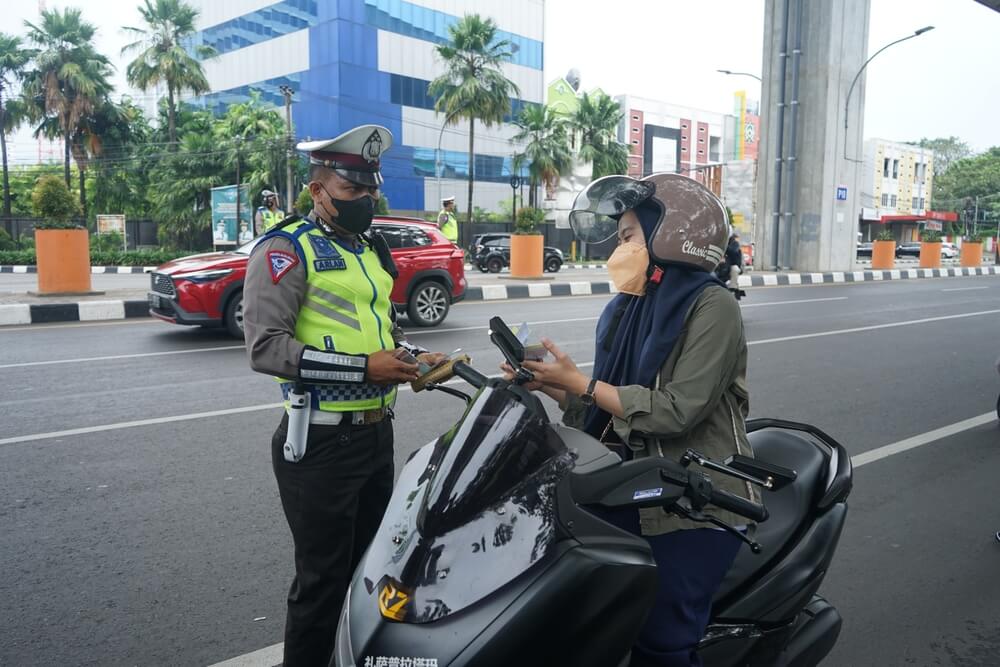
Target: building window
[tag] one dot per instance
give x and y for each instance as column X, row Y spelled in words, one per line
column 635, row 118
column 885, row 200
column 636, row 130
column 915, row 202
column 885, row 168
column 635, row 142
column 892, row 201
column 921, row 203
column 684, row 126
column 684, row 149
column 895, row 169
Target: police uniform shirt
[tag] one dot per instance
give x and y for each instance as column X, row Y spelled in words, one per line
column 270, row 317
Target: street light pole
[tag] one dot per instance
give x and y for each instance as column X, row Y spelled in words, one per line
column 847, row 102
column 437, row 154
column 726, row 71
column 290, row 202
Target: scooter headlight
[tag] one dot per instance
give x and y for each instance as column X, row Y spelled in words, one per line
column 344, row 650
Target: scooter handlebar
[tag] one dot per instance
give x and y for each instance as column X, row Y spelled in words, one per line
column 736, row 505
column 469, row 374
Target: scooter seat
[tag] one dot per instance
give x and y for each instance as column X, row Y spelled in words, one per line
column 788, row 508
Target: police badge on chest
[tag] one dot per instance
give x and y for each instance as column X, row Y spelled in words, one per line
column 327, row 256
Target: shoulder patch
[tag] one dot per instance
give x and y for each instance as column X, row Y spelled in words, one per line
column 281, row 262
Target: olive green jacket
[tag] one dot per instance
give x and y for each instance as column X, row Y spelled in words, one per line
column 701, row 402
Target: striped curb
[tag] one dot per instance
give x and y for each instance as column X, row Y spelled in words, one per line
column 86, row 311
column 31, row 268
column 776, row 279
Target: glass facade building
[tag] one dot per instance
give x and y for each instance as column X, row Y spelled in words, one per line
column 351, row 62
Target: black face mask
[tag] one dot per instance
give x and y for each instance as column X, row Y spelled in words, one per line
column 355, row 216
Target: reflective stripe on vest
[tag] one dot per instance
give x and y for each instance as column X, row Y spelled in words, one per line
column 271, row 218
column 450, row 226
column 346, row 308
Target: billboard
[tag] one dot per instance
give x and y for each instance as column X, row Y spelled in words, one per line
column 225, row 230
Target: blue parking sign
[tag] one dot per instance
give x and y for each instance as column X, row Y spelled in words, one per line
column 841, row 193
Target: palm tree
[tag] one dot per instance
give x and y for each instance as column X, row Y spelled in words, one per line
column 597, row 119
column 473, row 86
column 69, row 77
column 162, row 58
column 13, row 60
column 546, row 146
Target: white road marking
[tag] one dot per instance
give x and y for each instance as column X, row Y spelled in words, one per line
column 79, row 325
column 265, row 657
column 782, row 303
column 886, row 451
column 121, row 356
column 964, row 289
column 874, row 327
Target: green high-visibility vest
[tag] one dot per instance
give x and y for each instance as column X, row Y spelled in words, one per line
column 271, row 218
column 346, row 309
column 450, row 226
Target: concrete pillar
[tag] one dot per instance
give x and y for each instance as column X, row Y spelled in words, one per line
column 816, row 231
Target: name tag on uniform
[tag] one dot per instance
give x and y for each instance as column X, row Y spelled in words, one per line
column 331, row 264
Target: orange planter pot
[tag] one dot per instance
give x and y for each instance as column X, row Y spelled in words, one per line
column 883, row 254
column 526, row 254
column 930, row 255
column 63, row 257
column 972, row 254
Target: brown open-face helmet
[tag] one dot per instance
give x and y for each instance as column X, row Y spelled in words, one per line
column 692, row 229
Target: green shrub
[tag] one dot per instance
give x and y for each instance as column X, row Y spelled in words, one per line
column 885, row 235
column 54, row 203
column 17, row 257
column 109, row 242
column 930, row 236
column 304, row 203
column 528, row 220
column 6, row 242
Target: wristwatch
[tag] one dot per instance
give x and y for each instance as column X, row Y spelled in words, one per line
column 587, row 398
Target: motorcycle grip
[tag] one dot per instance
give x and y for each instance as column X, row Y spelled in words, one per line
column 736, row 505
column 469, row 374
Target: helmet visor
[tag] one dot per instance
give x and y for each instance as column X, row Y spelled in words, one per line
column 596, row 210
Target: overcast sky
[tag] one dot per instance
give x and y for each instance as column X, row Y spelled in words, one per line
column 939, row 84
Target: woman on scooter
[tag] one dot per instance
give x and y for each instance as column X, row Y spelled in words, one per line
column 669, row 374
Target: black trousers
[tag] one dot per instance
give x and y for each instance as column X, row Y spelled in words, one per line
column 333, row 499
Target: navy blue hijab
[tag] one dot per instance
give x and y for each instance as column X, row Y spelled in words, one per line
column 636, row 334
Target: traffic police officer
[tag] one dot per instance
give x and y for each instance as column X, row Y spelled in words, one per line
column 317, row 316
column 269, row 214
column 447, row 220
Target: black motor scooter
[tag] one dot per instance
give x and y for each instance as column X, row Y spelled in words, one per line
column 488, row 556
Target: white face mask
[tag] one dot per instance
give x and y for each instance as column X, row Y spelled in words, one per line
column 627, row 267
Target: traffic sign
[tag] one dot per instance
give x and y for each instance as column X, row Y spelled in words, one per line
column 841, row 193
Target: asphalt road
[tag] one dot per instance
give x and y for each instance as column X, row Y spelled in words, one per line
column 141, row 523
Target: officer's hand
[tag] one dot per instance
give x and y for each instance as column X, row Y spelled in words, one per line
column 385, row 369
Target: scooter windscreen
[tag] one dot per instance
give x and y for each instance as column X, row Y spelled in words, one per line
column 469, row 514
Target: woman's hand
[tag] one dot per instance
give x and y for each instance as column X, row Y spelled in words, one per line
column 508, row 374
column 432, row 359
column 561, row 374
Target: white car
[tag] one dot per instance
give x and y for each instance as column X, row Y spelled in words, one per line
column 949, row 250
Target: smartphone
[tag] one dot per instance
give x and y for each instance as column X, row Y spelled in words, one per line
column 404, row 355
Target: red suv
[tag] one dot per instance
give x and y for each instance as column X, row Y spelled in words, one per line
column 207, row 289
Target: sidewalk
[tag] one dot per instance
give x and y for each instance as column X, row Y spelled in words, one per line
column 22, row 308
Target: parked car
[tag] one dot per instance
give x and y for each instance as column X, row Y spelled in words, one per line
column 949, row 250
column 864, row 250
column 909, row 249
column 491, row 253
column 207, row 289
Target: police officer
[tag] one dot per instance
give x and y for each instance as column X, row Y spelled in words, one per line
column 447, row 221
column 318, row 317
column 269, row 214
